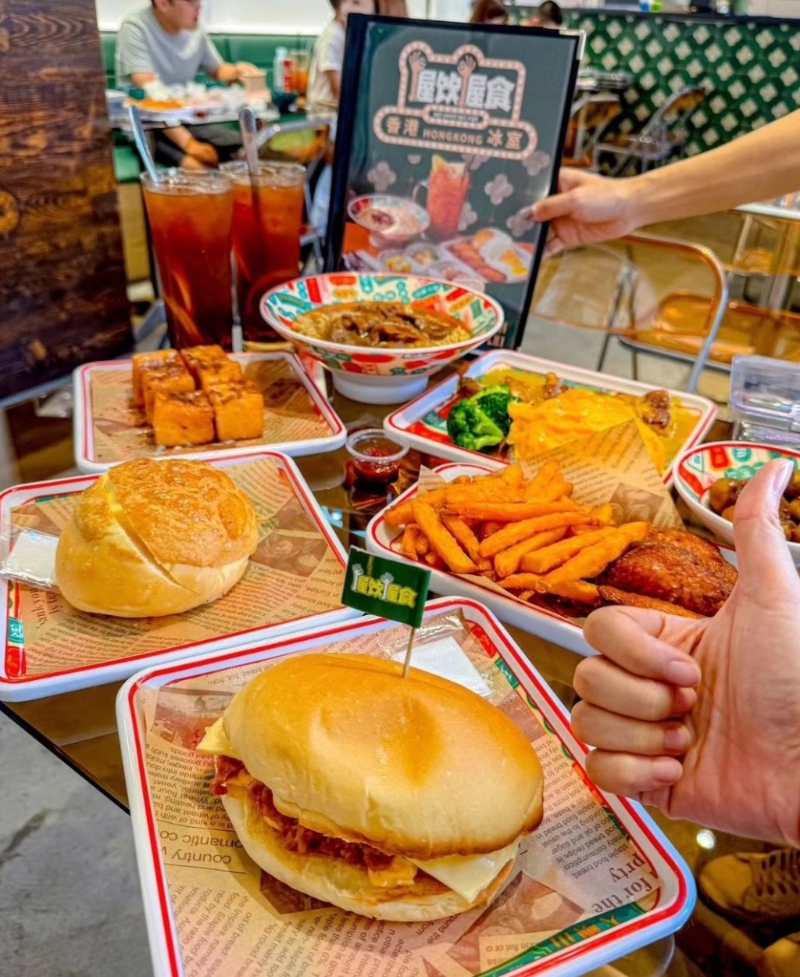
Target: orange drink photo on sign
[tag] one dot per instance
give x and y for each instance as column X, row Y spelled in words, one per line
column 267, row 224
column 447, row 190
column 190, row 222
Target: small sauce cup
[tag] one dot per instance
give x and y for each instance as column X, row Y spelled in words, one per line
column 376, row 455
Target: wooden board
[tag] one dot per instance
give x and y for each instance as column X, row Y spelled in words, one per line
column 62, row 280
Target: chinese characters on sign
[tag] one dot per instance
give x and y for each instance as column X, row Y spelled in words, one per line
column 463, row 101
column 385, row 587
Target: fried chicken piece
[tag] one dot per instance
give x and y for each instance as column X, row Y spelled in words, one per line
column 677, row 567
column 610, row 595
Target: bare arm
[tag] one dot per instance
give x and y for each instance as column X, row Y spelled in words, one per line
column 589, row 208
column 763, row 164
column 335, row 79
column 229, row 73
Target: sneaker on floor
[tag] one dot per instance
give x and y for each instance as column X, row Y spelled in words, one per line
column 754, row 887
column 781, row 959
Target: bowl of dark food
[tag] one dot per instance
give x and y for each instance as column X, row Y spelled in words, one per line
column 390, row 220
column 381, row 335
column 710, row 478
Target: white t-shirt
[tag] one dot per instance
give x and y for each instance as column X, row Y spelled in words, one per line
column 328, row 56
column 144, row 46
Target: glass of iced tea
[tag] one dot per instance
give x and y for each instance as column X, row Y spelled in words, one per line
column 302, row 61
column 267, row 224
column 448, row 184
column 190, row 222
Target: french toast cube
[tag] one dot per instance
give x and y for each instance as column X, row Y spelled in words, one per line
column 142, row 362
column 219, row 373
column 196, row 357
column 238, row 411
column 182, row 418
column 169, row 379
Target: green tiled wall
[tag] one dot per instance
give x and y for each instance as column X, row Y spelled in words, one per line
column 750, row 68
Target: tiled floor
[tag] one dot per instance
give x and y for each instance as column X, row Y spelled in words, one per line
column 69, row 894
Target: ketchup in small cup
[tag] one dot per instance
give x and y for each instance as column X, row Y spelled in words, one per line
column 376, row 455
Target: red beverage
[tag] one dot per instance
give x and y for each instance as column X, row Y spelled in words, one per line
column 447, row 190
column 267, row 224
column 190, row 222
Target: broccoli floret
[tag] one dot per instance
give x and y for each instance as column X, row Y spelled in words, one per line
column 494, row 401
column 480, row 421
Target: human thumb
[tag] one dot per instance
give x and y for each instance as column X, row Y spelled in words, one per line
column 765, row 564
column 560, row 205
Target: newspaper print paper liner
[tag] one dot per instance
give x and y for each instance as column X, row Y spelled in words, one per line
column 541, row 621
column 300, row 422
column 615, row 927
column 421, row 424
column 80, row 651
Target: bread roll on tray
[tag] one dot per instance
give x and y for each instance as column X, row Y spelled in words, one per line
column 150, row 538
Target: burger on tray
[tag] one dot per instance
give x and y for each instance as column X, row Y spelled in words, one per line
column 400, row 798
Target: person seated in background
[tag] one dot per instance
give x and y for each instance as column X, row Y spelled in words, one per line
column 325, row 86
column 489, row 12
column 547, row 15
column 164, row 43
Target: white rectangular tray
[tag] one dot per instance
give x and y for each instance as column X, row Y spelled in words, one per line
column 15, row 687
column 535, row 620
column 569, row 957
column 402, row 420
column 83, row 426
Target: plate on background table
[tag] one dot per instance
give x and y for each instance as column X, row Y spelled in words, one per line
column 108, row 429
column 422, row 422
column 294, row 579
column 530, row 929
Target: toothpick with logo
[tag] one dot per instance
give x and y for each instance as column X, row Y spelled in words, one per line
column 388, row 588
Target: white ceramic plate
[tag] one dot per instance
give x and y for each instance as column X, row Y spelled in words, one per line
column 698, row 468
column 579, row 949
column 421, row 424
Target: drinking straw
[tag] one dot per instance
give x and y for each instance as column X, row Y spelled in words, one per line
column 140, row 140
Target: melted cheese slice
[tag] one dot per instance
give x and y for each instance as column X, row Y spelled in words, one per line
column 216, row 742
column 467, row 875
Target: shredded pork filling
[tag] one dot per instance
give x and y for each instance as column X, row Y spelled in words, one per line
column 297, row 838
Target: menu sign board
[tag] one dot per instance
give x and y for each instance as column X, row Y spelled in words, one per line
column 447, row 134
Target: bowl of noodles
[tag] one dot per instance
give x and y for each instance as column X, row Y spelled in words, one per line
column 381, row 335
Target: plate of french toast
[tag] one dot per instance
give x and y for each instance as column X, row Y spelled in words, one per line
column 198, row 402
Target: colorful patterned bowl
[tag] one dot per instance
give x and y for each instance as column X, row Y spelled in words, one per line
column 699, row 467
column 381, row 375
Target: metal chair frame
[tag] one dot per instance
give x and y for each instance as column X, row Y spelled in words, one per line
column 625, row 289
column 581, row 111
column 653, row 144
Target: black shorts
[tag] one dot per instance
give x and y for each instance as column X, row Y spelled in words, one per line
column 227, row 143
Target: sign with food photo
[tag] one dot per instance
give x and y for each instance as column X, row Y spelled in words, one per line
column 449, row 134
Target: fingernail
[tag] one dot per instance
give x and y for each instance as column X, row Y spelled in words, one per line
column 781, row 472
column 531, row 215
column 681, row 672
column 676, row 739
column 665, row 770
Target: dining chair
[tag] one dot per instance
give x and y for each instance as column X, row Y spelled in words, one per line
column 589, row 119
column 663, row 136
column 627, row 289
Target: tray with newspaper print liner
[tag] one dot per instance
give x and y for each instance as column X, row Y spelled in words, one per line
column 294, row 579
column 597, row 879
column 108, row 429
